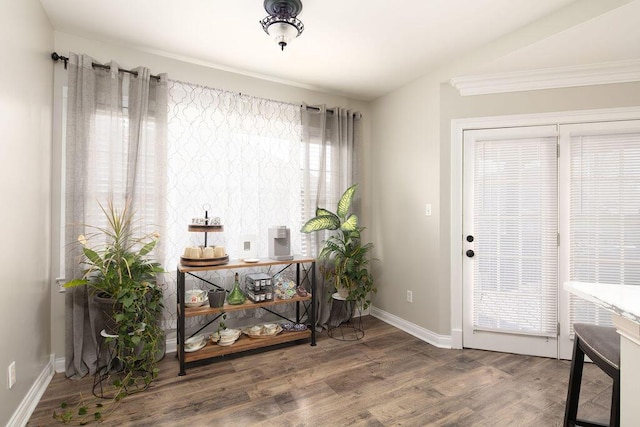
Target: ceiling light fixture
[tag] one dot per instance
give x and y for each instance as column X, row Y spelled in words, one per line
column 282, row 24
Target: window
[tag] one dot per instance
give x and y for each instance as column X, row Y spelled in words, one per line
column 237, row 155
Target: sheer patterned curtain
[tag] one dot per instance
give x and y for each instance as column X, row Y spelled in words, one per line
column 238, row 156
column 115, row 149
column 330, row 142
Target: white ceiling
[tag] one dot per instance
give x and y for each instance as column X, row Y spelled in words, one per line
column 612, row 37
column 359, row 48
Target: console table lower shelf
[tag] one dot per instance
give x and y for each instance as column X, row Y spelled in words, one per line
column 244, row 343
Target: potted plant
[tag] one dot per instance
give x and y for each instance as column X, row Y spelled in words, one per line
column 345, row 260
column 122, row 277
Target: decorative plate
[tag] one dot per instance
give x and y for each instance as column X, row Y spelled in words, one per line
column 196, row 348
column 294, row 327
column 196, row 304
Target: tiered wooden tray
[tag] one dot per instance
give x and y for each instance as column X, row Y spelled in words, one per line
column 204, row 262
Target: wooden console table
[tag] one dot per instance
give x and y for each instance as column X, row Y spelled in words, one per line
column 244, row 343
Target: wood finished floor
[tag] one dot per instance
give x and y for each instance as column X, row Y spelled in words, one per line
column 389, row 378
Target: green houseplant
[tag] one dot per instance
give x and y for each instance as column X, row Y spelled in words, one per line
column 121, row 275
column 345, row 260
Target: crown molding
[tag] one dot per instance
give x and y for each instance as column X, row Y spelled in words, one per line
column 549, row 78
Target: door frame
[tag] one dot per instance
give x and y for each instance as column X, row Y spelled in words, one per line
column 458, row 126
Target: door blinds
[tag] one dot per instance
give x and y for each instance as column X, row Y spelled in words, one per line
column 515, row 223
column 604, row 217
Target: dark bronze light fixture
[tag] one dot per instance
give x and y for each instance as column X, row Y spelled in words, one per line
column 282, row 24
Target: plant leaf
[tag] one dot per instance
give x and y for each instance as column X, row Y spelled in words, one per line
column 127, row 301
column 351, row 224
column 345, row 201
column 92, row 256
column 147, row 248
column 76, row 282
column 323, row 211
column 322, row 222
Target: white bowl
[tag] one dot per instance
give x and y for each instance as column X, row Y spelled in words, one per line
column 195, row 298
column 229, row 333
column 194, row 341
column 255, row 330
column 229, row 336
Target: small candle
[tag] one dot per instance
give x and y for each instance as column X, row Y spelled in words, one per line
column 208, row 252
column 218, row 251
column 192, row 252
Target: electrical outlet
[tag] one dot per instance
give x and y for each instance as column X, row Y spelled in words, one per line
column 409, row 296
column 427, row 209
column 11, row 374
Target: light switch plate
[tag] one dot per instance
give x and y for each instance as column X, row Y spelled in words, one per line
column 11, row 374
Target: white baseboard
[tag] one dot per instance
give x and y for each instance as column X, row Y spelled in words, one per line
column 172, row 345
column 59, row 365
column 441, row 341
column 28, row 405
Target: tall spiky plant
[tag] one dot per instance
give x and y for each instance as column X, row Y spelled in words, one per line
column 345, row 260
column 119, row 269
column 122, row 258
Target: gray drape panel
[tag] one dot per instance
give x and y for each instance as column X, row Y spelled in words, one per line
column 115, row 149
column 330, row 141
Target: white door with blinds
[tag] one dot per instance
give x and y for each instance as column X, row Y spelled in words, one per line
column 599, row 215
column 510, row 226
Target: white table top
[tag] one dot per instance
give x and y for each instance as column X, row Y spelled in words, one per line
column 623, row 300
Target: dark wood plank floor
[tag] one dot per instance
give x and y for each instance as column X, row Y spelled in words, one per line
column 389, row 378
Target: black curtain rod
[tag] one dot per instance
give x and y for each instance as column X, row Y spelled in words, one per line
column 57, row 58
column 65, row 59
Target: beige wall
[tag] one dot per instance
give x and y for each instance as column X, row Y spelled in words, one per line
column 405, row 177
column 25, row 149
column 199, row 74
